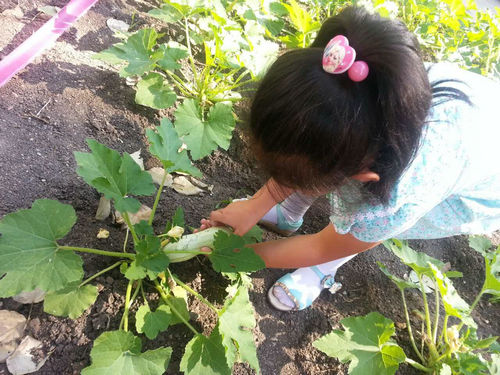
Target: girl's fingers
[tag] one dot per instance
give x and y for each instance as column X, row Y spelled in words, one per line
column 206, row 249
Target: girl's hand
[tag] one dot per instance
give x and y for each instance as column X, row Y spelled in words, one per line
column 241, row 216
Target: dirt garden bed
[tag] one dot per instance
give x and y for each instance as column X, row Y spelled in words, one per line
column 62, row 98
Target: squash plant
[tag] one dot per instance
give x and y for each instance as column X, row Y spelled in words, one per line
column 32, row 255
column 444, row 345
column 217, row 51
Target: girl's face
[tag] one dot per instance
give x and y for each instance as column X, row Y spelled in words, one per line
column 334, row 55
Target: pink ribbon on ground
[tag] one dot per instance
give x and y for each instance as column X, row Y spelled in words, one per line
column 42, row 38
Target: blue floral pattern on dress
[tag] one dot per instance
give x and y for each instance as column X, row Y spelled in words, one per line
column 452, row 186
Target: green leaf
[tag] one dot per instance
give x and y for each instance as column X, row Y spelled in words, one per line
column 166, row 13
column 492, row 275
column 254, row 235
column 119, row 352
column 278, row 9
column 180, row 305
column 365, row 343
column 165, row 145
column 300, row 18
column 135, row 272
column 453, row 304
column 470, row 364
column 418, row 261
column 229, row 254
column 150, row 256
column 137, row 51
column 152, row 92
column 28, row 245
column 71, row 301
column 203, row 136
column 114, row 176
column 143, row 228
column 170, row 57
column 204, row 356
column 151, row 323
column 236, row 321
column 400, row 283
column 177, row 220
column 480, row 243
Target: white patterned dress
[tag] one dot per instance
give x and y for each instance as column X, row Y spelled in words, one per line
column 453, row 184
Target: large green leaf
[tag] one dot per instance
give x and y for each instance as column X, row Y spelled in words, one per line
column 114, row 176
column 119, row 352
column 205, row 356
column 28, row 249
column 492, row 275
column 236, row 321
column 150, row 256
column 71, row 301
column 166, row 13
column 202, row 136
column 229, row 254
column 481, row 244
column 152, row 322
column 137, row 51
column 453, row 304
column 170, row 57
column 365, row 343
column 165, row 145
column 400, row 283
column 153, row 92
column 418, row 261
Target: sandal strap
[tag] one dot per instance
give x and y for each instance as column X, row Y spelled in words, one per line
column 327, row 281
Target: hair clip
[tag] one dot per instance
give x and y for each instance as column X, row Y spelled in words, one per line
column 339, row 57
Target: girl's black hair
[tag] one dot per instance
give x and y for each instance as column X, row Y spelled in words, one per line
column 312, row 130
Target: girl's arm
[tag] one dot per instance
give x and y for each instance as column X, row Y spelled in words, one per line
column 310, row 249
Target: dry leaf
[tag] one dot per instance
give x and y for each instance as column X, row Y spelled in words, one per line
column 158, row 173
column 137, row 158
column 117, row 25
column 183, row 186
column 142, row 214
column 104, row 209
column 22, row 361
column 34, row 296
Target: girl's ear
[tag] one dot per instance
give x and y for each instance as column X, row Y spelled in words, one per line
column 366, row 176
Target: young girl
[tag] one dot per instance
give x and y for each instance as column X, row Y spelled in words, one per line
column 404, row 150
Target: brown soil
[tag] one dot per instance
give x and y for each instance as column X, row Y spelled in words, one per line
column 81, row 98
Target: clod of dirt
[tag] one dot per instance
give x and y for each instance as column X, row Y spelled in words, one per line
column 183, row 186
column 142, row 214
column 137, row 158
column 117, row 25
column 11, row 326
column 27, row 358
column 158, row 173
column 103, row 234
column 104, row 209
column 34, row 296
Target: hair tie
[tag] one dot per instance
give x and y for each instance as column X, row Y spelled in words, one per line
column 339, row 57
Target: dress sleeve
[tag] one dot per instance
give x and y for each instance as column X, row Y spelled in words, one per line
column 432, row 177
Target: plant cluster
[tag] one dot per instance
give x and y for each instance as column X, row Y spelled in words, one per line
column 32, row 257
column 454, row 349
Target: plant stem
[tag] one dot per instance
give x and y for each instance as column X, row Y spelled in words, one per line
column 444, row 335
column 436, row 313
column 131, row 227
column 408, row 324
column 164, row 297
column 157, row 199
column 188, row 42
column 96, row 251
column 417, row 365
column 124, row 321
column 126, row 240
column 144, row 295
column 100, row 273
column 472, row 307
column 194, row 293
column 432, row 348
column 187, row 252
